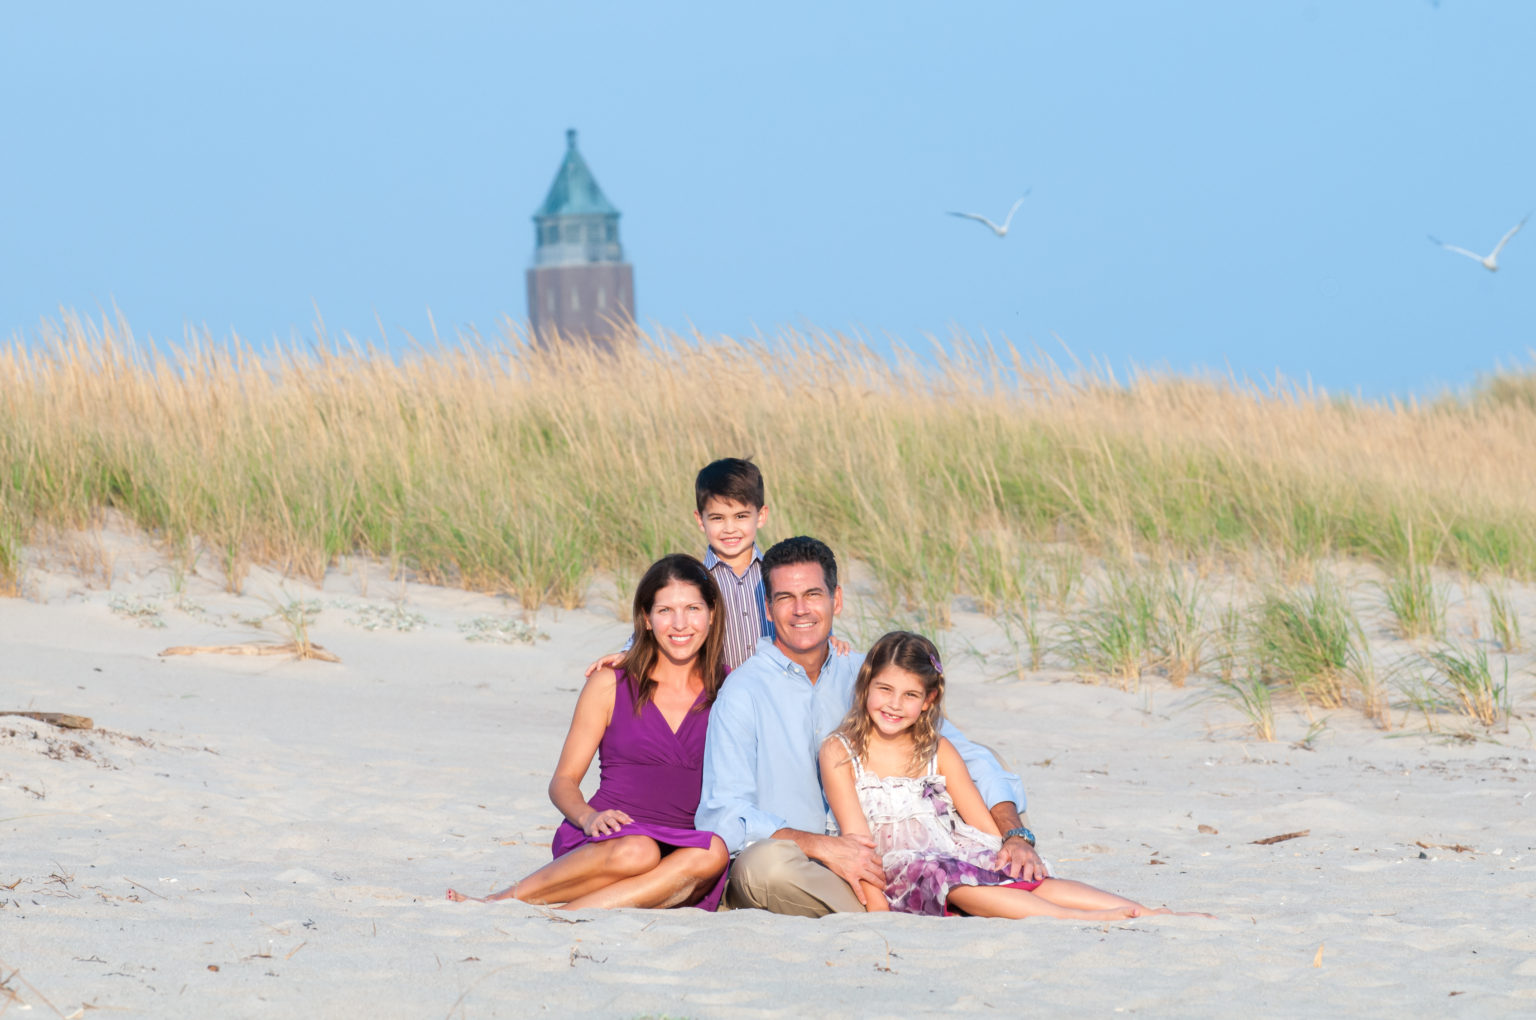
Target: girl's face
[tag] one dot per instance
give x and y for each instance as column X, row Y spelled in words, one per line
column 896, row 699
column 679, row 618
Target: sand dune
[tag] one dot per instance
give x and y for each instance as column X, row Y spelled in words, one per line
column 269, row 837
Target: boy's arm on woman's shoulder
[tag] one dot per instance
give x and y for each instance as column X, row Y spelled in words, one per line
column 995, row 783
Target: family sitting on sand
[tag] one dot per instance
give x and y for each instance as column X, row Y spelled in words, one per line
column 710, row 728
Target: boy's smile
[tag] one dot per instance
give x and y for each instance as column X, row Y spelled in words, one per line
column 730, row 528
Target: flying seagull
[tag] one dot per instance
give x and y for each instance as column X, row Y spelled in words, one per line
column 1489, row 262
column 1000, row 231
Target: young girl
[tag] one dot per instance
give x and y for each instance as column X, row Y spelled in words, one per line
column 889, row 775
column 633, row 844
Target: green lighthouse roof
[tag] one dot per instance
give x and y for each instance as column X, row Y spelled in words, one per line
column 574, row 192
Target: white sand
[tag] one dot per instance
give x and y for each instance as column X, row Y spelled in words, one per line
column 267, row 837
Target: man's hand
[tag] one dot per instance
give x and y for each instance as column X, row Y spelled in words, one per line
column 851, row 858
column 606, row 662
column 1020, row 861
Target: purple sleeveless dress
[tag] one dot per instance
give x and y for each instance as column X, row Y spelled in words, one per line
column 651, row 774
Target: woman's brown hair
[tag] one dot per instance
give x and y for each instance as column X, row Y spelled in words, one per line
column 640, row 660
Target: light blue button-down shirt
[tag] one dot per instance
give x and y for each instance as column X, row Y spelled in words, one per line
column 765, row 732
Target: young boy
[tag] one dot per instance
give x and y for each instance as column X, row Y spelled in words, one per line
column 731, row 506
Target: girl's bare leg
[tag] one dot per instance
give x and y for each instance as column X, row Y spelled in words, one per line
column 584, row 870
column 1001, row 901
column 682, row 877
column 1064, row 892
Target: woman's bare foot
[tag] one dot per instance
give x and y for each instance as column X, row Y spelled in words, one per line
column 458, row 897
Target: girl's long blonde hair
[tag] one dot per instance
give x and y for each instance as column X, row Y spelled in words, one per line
column 917, row 655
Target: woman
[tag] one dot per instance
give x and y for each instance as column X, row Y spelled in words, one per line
column 633, row 844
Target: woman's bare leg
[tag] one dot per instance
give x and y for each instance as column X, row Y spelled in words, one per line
column 584, row 870
column 682, row 877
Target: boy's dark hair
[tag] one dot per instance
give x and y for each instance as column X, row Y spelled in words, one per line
column 799, row 549
column 730, row 478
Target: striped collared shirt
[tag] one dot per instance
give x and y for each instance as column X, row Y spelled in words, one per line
column 742, row 598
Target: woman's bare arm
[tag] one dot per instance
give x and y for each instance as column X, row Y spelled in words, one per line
column 594, row 711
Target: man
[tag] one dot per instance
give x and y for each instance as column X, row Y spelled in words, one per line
column 761, row 793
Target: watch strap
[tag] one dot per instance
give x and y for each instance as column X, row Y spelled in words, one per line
column 1022, row 833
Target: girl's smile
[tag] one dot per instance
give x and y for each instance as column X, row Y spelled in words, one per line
column 896, row 699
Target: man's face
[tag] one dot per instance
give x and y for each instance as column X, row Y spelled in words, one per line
column 801, row 608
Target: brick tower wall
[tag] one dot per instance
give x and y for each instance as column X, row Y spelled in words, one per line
column 581, row 301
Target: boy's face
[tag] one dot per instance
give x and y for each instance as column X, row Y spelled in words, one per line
column 730, row 527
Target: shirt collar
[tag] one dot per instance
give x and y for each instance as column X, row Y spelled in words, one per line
column 785, row 664
column 711, row 561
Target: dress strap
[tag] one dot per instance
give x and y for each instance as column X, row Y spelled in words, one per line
column 858, row 767
column 933, row 765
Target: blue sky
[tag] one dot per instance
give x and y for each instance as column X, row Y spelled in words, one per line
column 1232, row 186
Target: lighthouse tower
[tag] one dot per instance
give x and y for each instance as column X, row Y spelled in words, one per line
column 579, row 286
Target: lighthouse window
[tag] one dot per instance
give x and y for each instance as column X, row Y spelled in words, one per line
column 613, row 231
column 602, row 299
column 575, row 301
column 572, row 233
column 594, row 232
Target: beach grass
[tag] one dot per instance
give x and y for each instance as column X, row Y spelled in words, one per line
column 1251, row 696
column 1467, row 681
column 1179, row 634
column 496, row 465
column 1503, row 618
column 1304, row 639
column 1415, row 602
column 1113, row 636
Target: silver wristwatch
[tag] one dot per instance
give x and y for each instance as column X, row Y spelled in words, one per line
column 1022, row 833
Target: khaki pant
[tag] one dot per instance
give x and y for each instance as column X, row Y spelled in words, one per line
column 772, row 874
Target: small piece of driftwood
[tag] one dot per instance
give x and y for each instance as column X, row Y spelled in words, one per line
column 291, row 648
column 61, row 719
column 1282, row 837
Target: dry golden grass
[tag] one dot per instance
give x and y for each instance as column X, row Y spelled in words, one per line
column 498, row 466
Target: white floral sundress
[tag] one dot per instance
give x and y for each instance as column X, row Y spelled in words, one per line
column 924, row 846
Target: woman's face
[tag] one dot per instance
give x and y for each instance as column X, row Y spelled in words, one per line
column 679, row 618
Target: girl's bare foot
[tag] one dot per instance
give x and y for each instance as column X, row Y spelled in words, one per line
column 458, row 897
